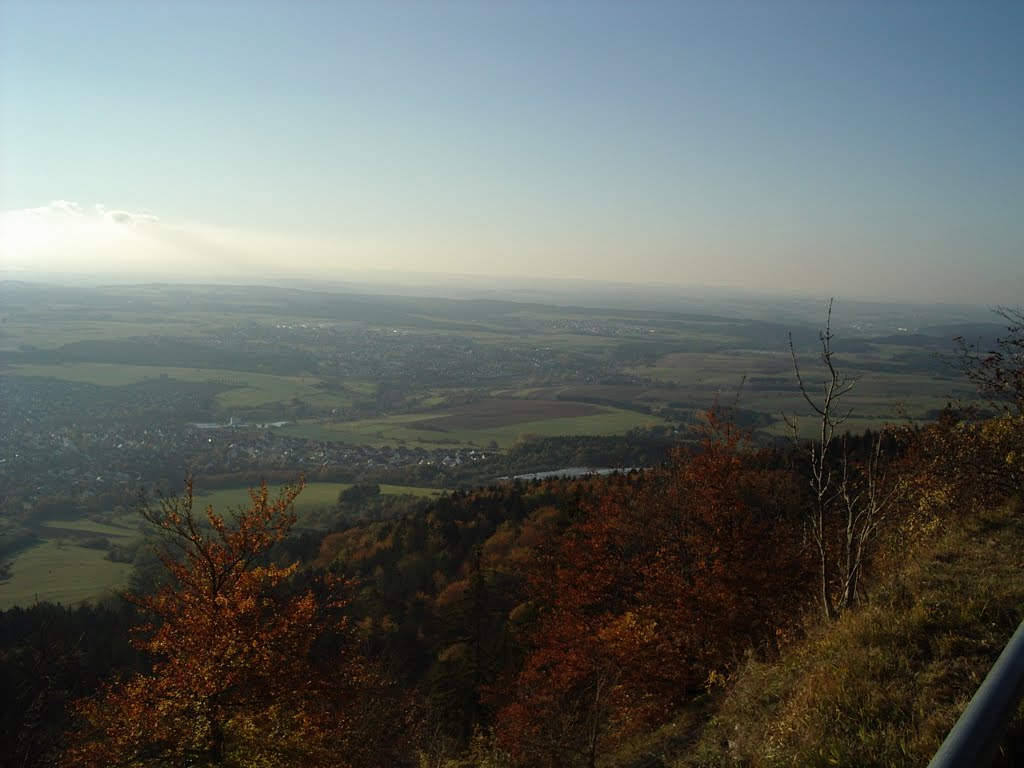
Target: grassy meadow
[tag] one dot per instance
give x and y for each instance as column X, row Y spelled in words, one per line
column 501, row 421
column 61, row 571
column 247, row 389
column 314, row 496
column 62, row 568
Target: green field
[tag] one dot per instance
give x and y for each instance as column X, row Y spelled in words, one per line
column 766, row 384
column 126, row 525
column 248, row 389
column 314, row 496
column 58, row 571
column 425, row 431
column 878, row 398
column 49, row 333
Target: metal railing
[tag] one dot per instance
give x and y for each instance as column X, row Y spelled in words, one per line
column 976, row 735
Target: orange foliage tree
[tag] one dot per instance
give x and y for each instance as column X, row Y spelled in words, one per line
column 662, row 583
column 972, row 457
column 244, row 670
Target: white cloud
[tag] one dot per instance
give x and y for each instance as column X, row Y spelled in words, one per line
column 24, row 229
column 57, row 208
column 68, row 238
column 127, row 218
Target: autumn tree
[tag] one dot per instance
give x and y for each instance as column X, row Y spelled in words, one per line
column 973, row 457
column 563, row 700
column 660, row 583
column 850, row 496
column 245, row 670
column 997, row 372
column 475, row 647
column 998, row 375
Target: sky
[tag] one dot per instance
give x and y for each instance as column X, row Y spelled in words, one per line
column 866, row 149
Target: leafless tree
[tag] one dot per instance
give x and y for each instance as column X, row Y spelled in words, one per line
column 849, row 499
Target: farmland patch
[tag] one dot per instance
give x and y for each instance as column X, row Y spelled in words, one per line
column 503, row 412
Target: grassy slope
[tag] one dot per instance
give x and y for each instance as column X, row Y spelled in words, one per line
column 884, row 684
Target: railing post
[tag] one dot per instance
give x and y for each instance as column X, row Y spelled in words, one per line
column 974, row 738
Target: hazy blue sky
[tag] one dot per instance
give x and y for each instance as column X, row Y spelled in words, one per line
column 872, row 149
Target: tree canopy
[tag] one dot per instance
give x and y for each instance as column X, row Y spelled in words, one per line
column 245, row 669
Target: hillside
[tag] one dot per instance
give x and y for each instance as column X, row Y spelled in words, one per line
column 885, row 683
column 668, row 617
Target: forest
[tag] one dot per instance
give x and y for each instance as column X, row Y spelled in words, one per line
column 594, row 621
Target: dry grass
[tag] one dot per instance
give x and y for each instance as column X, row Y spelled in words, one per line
column 884, row 684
